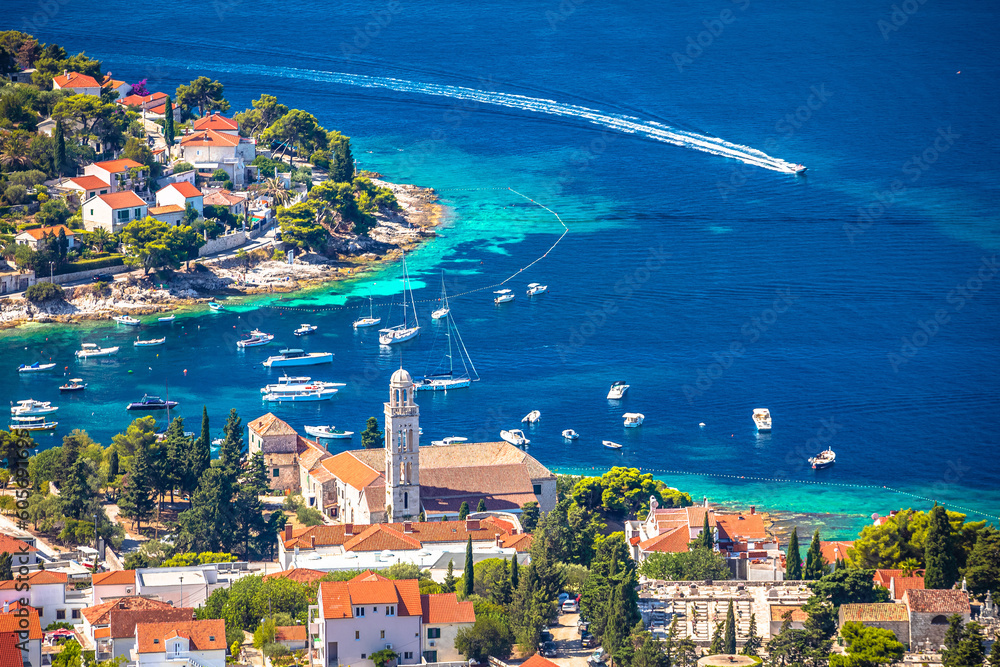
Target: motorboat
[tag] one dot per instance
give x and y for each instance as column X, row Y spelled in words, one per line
column 329, row 432
column 293, row 357
column 532, row 417
column 798, row 168
column 36, row 367
column 617, row 390
column 369, row 321
column 570, row 434
column 30, row 406
column 535, row 288
column 291, row 385
column 402, row 332
column 256, row 339
column 633, row 419
column 75, row 384
column 152, row 342
column 515, row 436
column 305, row 329
column 151, row 403
column 445, row 308
column 31, row 423
column 824, row 459
column 450, row 379
column 215, row 306
column 611, row 445
column 300, row 396
column 450, row 440
column 503, row 296
column 168, row 318
column 92, row 350
column 127, row 320
column 762, row 418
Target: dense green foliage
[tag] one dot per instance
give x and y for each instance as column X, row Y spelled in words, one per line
column 867, row 647
column 43, row 292
column 153, row 244
column 695, row 565
column 202, row 94
column 963, row 644
column 849, row 586
column 793, row 559
column 982, row 572
column 903, row 538
column 940, row 559
column 815, row 563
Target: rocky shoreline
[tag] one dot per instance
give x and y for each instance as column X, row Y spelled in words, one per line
column 212, row 278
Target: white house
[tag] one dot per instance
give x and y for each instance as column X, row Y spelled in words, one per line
column 46, row 591
column 294, row 637
column 120, row 87
column 20, row 636
column 181, row 194
column 32, row 237
column 114, row 584
column 97, row 618
column 209, row 150
column 201, row 643
column 21, row 548
column 187, row 586
column 172, row 214
column 113, row 211
column 235, row 203
column 442, row 617
column 113, row 172
column 85, row 187
column 81, row 84
column 214, row 121
column 153, row 105
column 117, row 640
column 366, row 614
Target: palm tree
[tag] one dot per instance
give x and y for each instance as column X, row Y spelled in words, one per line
column 100, row 239
column 14, row 155
column 910, row 566
column 272, row 189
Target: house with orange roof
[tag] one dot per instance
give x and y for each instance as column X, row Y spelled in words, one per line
column 98, row 617
column 294, row 637
column 80, row 84
column 113, row 172
column 201, row 643
column 113, row 584
column 117, row 639
column 216, row 121
column 278, row 443
column 113, row 211
column 235, row 203
column 85, row 187
column 49, row 592
column 832, row 551
column 212, row 149
column 20, row 628
column 123, row 89
column 33, row 237
column 442, row 616
column 181, row 194
column 24, row 551
column 897, row 583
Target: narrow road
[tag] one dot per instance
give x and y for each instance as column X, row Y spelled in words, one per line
column 567, row 639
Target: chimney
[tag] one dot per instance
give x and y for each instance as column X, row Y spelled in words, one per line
column 407, row 526
column 66, row 72
column 472, row 524
column 6, row 606
column 348, row 529
column 753, row 510
column 312, row 541
column 706, row 501
column 288, row 531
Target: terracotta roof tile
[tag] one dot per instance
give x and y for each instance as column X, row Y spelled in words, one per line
column 163, row 210
column 350, row 470
column 117, row 166
column 203, row 635
column 117, row 200
column 114, row 578
column 338, row 598
column 268, row 424
column 538, row 661
column 877, row 611
column 101, row 614
column 10, row 653
column 215, row 122
column 380, row 537
column 369, row 575
column 111, row 83
column 445, row 608
column 75, row 80
column 88, row 182
column 12, row 623
column 36, row 578
column 290, row 633
column 520, row 542
column 140, row 100
column 902, row 584
column 210, row 138
column 742, row 525
column 424, row 532
column 123, row 621
column 937, row 601
column 673, row 542
column 223, row 198
column 12, row 545
column 189, row 190
column 833, row 550
column 303, row 575
column 778, row 612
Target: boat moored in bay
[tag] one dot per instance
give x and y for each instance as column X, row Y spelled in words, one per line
column 293, row 357
column 151, row 403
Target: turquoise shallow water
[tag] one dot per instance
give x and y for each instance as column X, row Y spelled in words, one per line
column 711, row 284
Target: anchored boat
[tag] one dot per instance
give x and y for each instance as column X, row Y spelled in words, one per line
column 762, row 418
column 611, row 445
column 30, row 406
column 402, row 332
column 570, row 434
column 444, row 381
column 292, row 357
column 31, row 423
column 36, row 367
column 305, row 329
column 503, row 296
column 633, row 419
column 126, row 320
column 531, row 417
column 535, row 288
column 151, row 403
column 444, row 309
column 152, row 342
column 92, row 350
column 824, row 459
column 515, row 436
column 256, row 339
column 75, row 384
column 617, row 390
column 371, row 320
column 328, row 432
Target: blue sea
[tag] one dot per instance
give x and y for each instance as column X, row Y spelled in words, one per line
column 859, row 302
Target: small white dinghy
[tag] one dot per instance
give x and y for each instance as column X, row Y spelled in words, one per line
column 127, row 320
column 531, row 417
column 535, row 288
column 633, row 419
column 570, row 434
column 611, row 445
column 515, row 436
column 305, row 329
column 152, row 342
column 503, row 296
column 168, row 318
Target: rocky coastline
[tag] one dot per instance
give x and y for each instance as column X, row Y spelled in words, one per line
column 210, row 278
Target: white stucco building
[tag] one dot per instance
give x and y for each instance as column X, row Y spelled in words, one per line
column 50, row 593
column 201, row 643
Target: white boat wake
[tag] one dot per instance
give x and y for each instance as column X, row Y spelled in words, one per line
column 621, row 123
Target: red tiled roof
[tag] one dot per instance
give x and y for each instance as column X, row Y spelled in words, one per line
column 114, row 578
column 339, row 597
column 876, row 611
column 833, row 550
column 123, row 621
column 89, row 182
column 188, row 191
column 215, row 122
column 742, row 525
column 423, row 532
column 75, row 80
column 12, row 623
column 10, row 652
column 290, row 633
column 139, row 100
column 111, row 83
column 12, row 545
column 673, row 542
column 778, row 612
column 36, row 578
column 223, row 198
column 268, row 424
column 538, row 661
column 520, row 542
column 937, row 601
column 126, row 199
column 368, row 575
column 101, row 614
column 350, row 470
column 116, row 166
column 39, row 232
column 445, row 608
column 902, row 584
column 379, row 537
column 210, row 138
column 162, row 210
column 302, row 575
column 203, row 635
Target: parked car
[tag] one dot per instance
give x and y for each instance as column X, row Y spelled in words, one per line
column 597, row 657
column 103, row 277
column 548, row 650
column 588, row 640
column 545, row 636
column 563, row 597
column 583, row 627
column 570, row 607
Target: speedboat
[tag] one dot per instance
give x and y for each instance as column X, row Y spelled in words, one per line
column 151, row 403
column 503, row 296
column 762, row 418
column 440, row 313
column 531, row 417
column 535, row 288
column 633, row 419
column 32, row 407
column 369, row 321
column 824, row 459
column 450, row 440
column 798, row 168
column 92, row 350
column 515, row 436
column 36, row 367
column 168, row 318
column 152, row 342
column 611, row 445
column 31, row 423
column 215, row 306
column 126, row 319
column 292, row 385
column 292, row 357
column 324, row 394
column 256, row 339
column 617, row 390
column 75, row 384
column 329, row 432
column 570, row 434
column 305, row 329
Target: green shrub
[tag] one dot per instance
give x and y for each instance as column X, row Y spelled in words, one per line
column 183, row 166
column 43, row 292
column 278, row 256
column 220, row 175
column 15, row 194
column 104, row 262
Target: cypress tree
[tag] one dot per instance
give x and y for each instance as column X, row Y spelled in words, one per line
column 76, row 492
column 168, row 123
column 463, row 511
column 201, row 453
column 178, row 451
column 717, row 646
column 705, row 539
column 59, row 157
column 6, row 573
column 939, row 552
column 232, row 446
column 137, row 502
column 449, row 578
column 514, row 575
column 815, row 565
column 729, row 641
column 469, row 576
column 113, row 464
column 793, row 561
column 481, row 507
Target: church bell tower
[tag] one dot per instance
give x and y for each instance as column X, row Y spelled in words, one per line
column 402, row 442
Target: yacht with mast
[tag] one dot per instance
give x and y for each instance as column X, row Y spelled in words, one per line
column 371, row 320
column 402, row 332
column 444, row 381
column 445, row 308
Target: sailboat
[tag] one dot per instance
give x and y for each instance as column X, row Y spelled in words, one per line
column 450, row 380
column 445, row 309
column 371, row 320
column 402, row 332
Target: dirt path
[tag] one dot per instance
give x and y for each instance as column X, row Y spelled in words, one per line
column 567, row 638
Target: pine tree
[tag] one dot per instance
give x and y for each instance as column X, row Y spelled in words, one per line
column 137, row 502
column 200, row 455
column 753, row 642
column 939, row 551
column 481, row 507
column 815, row 565
column 168, row 123
column 372, row 437
column 342, row 169
column 231, row 450
column 994, row 659
column 729, row 641
column 501, row 592
column 178, row 451
column 59, row 157
column 6, row 573
column 113, row 464
column 469, row 576
column 793, row 562
column 252, row 527
column 210, row 524
column 514, row 574
column 463, row 511
column 705, row 539
column 449, row 578
column 76, row 493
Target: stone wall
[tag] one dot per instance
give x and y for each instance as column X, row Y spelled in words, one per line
column 223, row 243
column 83, row 275
column 923, row 628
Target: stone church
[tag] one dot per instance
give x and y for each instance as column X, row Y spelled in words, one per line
column 404, row 479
